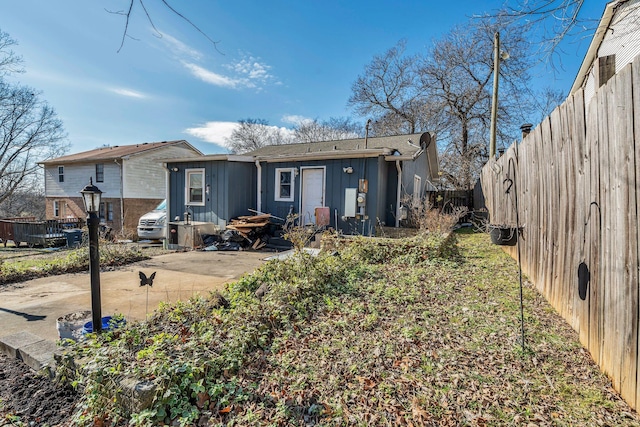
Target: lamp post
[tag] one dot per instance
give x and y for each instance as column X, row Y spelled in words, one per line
column 91, row 196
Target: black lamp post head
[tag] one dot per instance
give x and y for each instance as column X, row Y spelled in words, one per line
column 91, row 196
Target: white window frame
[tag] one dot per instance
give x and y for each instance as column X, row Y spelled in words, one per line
column 417, row 190
column 187, row 193
column 60, row 173
column 99, row 172
column 278, row 197
column 56, row 208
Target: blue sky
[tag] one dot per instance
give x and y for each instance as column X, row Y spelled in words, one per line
column 275, row 60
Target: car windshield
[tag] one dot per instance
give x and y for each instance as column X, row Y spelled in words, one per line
column 162, row 206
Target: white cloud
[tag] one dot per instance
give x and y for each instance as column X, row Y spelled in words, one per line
column 249, row 72
column 180, row 49
column 128, row 93
column 210, row 77
column 295, row 119
column 252, row 69
column 215, row 132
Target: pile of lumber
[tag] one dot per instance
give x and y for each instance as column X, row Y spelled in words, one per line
column 253, row 228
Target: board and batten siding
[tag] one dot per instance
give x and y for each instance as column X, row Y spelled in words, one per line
column 336, row 181
column 232, row 191
column 145, row 175
column 576, row 178
column 76, row 177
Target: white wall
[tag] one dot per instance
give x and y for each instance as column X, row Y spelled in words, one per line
column 144, row 174
column 76, row 176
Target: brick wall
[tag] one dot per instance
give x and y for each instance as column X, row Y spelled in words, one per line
column 134, row 209
column 69, row 207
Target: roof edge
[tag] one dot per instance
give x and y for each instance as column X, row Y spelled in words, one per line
column 596, row 41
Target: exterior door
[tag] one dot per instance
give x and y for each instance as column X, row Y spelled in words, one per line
column 312, row 193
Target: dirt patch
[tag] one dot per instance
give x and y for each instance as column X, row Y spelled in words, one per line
column 33, row 399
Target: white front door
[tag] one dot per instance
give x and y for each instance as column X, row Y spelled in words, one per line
column 312, row 193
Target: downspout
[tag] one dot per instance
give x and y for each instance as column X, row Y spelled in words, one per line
column 121, row 196
column 166, row 196
column 259, row 186
column 398, row 193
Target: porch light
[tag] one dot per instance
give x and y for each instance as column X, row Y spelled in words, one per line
column 91, row 196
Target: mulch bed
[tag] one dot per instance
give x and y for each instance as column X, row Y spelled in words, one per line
column 32, row 399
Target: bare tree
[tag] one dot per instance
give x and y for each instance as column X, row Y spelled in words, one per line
column 29, row 128
column 551, row 22
column 457, row 74
column 389, row 90
column 334, row 129
column 25, row 203
column 10, row 62
column 447, row 89
column 252, row 134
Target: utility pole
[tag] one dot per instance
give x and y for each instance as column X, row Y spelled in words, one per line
column 494, row 101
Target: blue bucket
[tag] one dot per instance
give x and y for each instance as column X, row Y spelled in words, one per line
column 107, row 325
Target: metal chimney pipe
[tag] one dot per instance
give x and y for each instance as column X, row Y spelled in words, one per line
column 526, row 129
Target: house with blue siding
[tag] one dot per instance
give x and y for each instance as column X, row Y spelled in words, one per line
column 351, row 185
column 211, row 189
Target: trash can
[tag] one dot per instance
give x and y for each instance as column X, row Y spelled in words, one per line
column 74, row 237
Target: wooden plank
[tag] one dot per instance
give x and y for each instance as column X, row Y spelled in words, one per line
column 628, row 292
column 557, row 212
column 605, row 240
column 546, row 214
column 578, row 138
column 248, row 225
column 566, row 234
column 255, row 218
column 635, row 78
column 594, row 222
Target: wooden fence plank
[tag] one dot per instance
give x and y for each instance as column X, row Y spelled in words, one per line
column 594, row 221
column 581, row 174
column 605, row 242
column 628, row 295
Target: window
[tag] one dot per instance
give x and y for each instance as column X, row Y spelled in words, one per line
column 60, row 173
column 99, row 172
column 109, row 211
column 101, row 211
column 195, row 187
column 56, row 208
column 417, row 190
column 285, row 184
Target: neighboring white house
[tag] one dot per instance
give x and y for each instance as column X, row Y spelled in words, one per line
column 131, row 177
column 615, row 44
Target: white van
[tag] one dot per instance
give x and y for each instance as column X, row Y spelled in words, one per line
column 153, row 225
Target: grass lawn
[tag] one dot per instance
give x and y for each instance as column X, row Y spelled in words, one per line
column 369, row 335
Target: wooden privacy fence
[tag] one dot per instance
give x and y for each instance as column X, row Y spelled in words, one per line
column 575, row 181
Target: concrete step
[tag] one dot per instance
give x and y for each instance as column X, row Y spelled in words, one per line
column 36, row 352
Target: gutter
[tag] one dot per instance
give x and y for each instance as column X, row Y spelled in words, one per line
column 121, row 195
column 259, row 186
column 167, row 172
column 398, row 193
